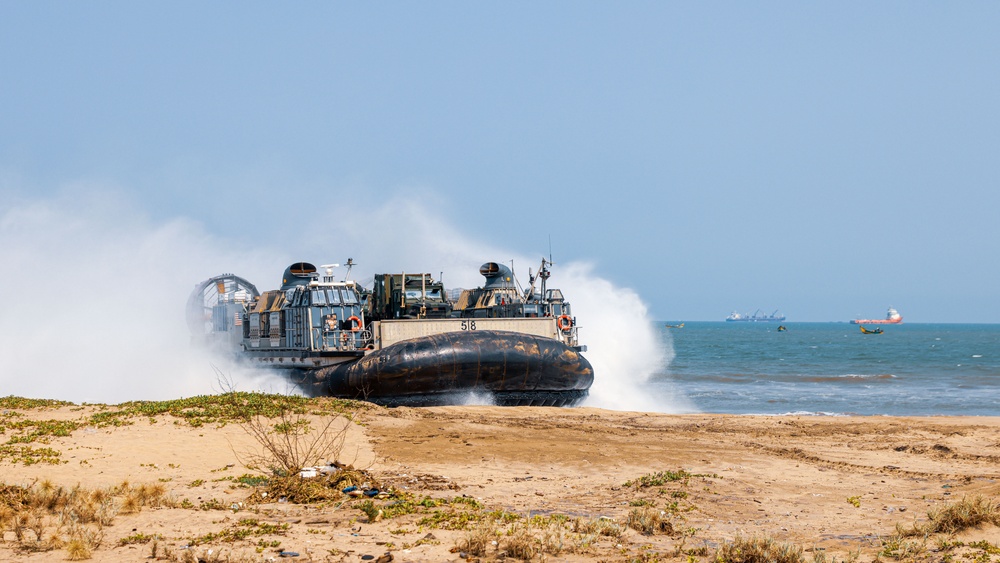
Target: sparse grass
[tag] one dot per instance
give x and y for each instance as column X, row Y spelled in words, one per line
column 244, row 529
column 239, row 407
column 44, row 516
column 659, row 479
column 138, row 538
column 757, row 549
column 22, row 403
column 895, row 547
column 510, row 535
column 248, row 480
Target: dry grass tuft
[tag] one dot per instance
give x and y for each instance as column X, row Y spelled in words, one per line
column 480, row 539
column 77, row 550
column 758, row 550
column 970, row 512
column 520, row 544
column 648, row 520
column 599, row 527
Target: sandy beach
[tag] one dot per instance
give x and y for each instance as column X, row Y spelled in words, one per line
column 566, row 483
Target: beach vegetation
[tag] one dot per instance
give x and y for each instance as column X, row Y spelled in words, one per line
column 854, row 501
column 507, row 535
column 821, row 557
column 247, row 528
column 659, row 479
column 901, row 549
column 249, row 480
column 602, row 527
column 299, row 490
column 758, row 549
column 479, row 539
column 520, row 543
column 648, row 521
column 969, row 512
column 23, row 403
column 221, row 409
column 138, row 538
column 291, row 437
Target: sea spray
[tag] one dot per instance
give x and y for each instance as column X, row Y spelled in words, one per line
column 97, row 307
column 623, row 345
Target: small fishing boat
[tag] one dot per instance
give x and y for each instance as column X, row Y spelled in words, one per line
column 867, row 331
column 675, row 326
column 782, row 328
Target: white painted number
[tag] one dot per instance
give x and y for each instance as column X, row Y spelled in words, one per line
column 468, row 325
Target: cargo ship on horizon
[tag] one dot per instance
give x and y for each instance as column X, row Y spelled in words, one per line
column 892, row 317
column 756, row 317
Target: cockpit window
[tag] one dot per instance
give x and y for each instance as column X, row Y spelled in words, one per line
column 430, row 293
column 333, row 296
column 318, row 297
column 350, row 297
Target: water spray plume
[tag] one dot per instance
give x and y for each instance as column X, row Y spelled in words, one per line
column 623, row 345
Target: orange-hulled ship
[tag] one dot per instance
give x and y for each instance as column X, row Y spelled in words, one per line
column 892, row 317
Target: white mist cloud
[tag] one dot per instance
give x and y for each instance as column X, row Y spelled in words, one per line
column 95, row 295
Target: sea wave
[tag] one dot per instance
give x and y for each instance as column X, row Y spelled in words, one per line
column 847, row 377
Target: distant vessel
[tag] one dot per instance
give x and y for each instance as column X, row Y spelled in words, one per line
column 892, row 317
column 756, row 317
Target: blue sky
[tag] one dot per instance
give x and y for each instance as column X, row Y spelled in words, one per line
column 825, row 159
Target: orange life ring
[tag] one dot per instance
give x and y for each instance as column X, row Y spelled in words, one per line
column 564, row 323
column 355, row 323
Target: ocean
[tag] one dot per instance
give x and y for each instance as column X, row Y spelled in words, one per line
column 832, row 368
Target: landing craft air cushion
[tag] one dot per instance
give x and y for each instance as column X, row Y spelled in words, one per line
column 402, row 342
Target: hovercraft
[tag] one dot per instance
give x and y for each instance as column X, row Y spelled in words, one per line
column 402, row 342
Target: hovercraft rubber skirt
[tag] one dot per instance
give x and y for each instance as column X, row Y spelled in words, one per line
column 504, row 368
